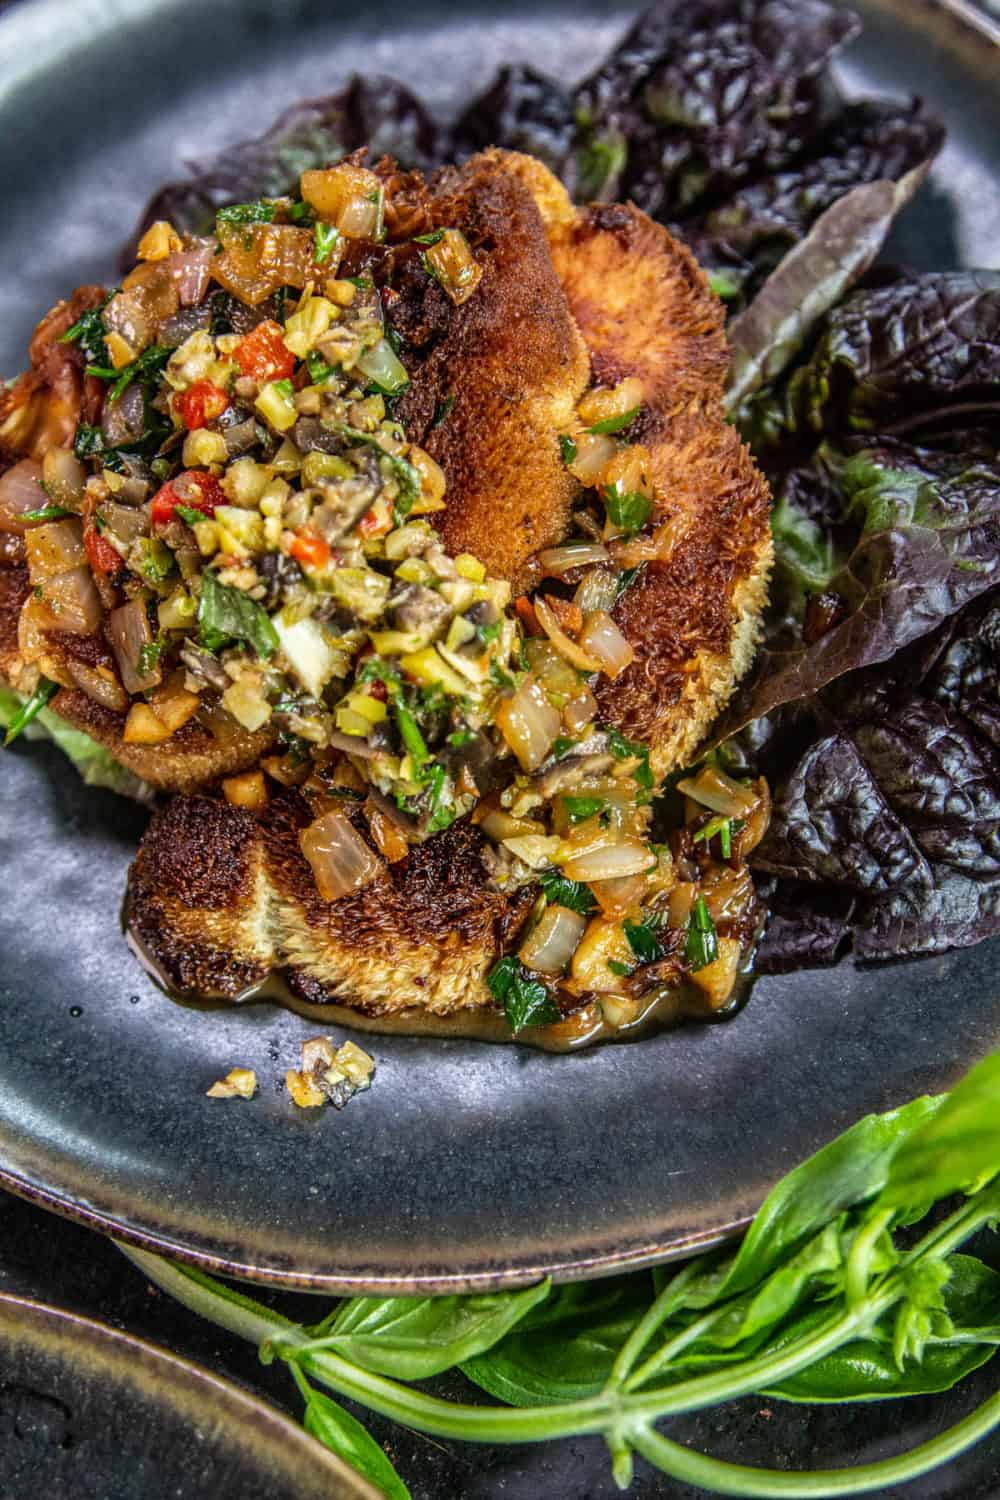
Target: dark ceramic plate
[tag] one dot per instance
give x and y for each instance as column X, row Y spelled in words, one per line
column 466, row 1165
column 88, row 1411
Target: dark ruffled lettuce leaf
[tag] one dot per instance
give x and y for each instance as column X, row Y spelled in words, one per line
column 375, row 112
column 522, row 110
column 876, row 546
column 886, row 827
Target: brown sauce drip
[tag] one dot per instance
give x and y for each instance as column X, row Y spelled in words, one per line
column 584, row 1028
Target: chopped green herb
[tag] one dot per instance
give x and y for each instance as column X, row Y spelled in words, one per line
column 89, row 332
column 616, row 967
column 363, row 283
column 718, row 825
column 500, row 677
column 407, row 476
column 725, row 285
column 326, row 236
column 567, row 447
column 562, row 746
column 489, row 632
column 627, row 509
column 319, row 370
column 643, row 939
column 44, row 692
column 102, row 372
column 189, row 514
column 563, row 892
column 302, row 213
column 409, row 729
column 619, row 423
column 441, row 411
column 149, row 364
column 45, row 513
column 525, row 1000
column 261, row 212
column 626, row 580
column 156, row 561
column 701, row 946
column 580, row 808
column 377, row 669
column 149, row 655
column 623, row 749
column 226, row 613
column 462, row 737
column 434, row 238
column 89, row 443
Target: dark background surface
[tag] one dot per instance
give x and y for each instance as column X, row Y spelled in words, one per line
column 42, row 1256
column 45, row 1257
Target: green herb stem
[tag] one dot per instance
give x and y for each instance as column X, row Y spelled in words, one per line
column 736, row 1479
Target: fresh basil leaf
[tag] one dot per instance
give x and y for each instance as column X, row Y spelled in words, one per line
column 226, row 613
column 570, row 893
column 848, row 1172
column 337, row 1430
column 956, row 1148
column 412, row 1338
column 867, row 1370
column 525, row 1000
column 564, row 1349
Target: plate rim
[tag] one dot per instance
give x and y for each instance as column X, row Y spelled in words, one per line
column 971, row 26
column 26, row 1319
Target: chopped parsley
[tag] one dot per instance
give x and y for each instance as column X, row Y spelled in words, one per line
column 149, row 656
column 627, row 508
column 89, row 332
column 562, row 745
column 226, row 613
column 260, row 212
column 567, row 447
column 319, row 370
column 327, row 236
column 623, row 749
column 617, row 967
column 145, row 368
column 563, row 892
column 580, row 808
column 302, row 213
column 45, row 513
column 441, row 410
column 526, row 1001
column 434, row 238
column 701, row 946
column 643, row 938
column 30, row 709
column 462, row 737
column 409, row 731
column 619, row 423
column 189, row 514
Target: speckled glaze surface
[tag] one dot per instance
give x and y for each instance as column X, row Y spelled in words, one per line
column 466, row 1165
column 90, row 1412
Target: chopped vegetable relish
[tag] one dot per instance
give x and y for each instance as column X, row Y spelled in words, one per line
column 257, row 523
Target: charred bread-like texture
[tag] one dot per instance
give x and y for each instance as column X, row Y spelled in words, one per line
column 193, row 757
column 644, row 308
column 513, row 364
column 218, row 899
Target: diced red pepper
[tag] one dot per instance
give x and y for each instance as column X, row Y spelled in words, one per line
column 374, row 523
column 200, row 404
column 103, row 558
column 526, row 614
column 199, row 492
column 310, row 550
column 263, row 354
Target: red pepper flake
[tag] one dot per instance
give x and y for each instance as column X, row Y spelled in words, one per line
column 263, row 355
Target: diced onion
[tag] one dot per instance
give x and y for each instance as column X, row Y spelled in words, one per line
column 579, row 711
column 536, row 849
column 567, row 648
column 500, row 825
column 71, row 602
column 602, row 640
column 617, row 898
column 190, row 272
column 598, row 405
column 20, row 490
column 594, row 451
column 54, row 548
column 382, row 365
column 559, row 560
column 553, row 940
column 529, row 724
column 597, row 589
column 341, row 861
column 128, row 631
column 64, row 477
column 716, row 979
column 713, row 789
column 607, row 859
column 347, row 196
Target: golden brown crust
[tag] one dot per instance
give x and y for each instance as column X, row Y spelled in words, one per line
column 515, row 365
column 219, row 899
